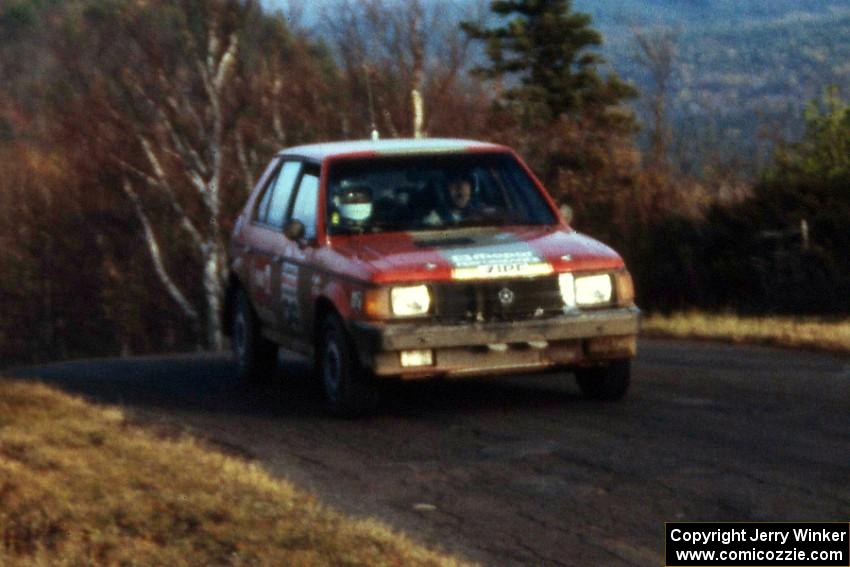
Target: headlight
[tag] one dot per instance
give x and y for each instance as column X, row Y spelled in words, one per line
column 568, row 289
column 409, row 301
column 593, row 290
column 582, row 291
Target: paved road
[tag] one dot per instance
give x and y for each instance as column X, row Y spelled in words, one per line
column 521, row 470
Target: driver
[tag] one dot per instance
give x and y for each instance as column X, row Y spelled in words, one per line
column 460, row 204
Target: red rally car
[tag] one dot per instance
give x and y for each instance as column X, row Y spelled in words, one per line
column 421, row 258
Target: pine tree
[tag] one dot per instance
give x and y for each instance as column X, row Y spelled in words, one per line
column 561, row 112
column 824, row 152
column 543, row 52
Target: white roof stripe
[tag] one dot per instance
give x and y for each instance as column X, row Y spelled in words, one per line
column 389, row 146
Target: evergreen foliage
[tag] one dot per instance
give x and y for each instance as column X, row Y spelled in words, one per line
column 556, row 107
column 547, row 48
column 824, row 152
column 782, row 250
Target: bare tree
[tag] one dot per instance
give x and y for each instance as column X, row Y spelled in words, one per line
column 416, row 47
column 287, row 91
column 168, row 109
column 656, row 52
column 413, row 55
column 179, row 128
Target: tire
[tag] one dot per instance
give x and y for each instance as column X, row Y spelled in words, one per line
column 349, row 390
column 255, row 357
column 609, row 382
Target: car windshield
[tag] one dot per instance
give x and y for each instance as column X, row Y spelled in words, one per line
column 430, row 192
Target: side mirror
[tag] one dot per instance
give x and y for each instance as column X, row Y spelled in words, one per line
column 566, row 213
column 294, row 230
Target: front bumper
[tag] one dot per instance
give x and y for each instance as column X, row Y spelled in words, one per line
column 573, row 339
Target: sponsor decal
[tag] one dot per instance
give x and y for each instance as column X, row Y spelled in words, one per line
column 497, row 257
column 288, row 280
column 502, row 271
column 490, row 262
column 288, row 294
column 262, row 278
column 317, row 282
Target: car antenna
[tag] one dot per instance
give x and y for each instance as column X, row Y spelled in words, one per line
column 375, row 134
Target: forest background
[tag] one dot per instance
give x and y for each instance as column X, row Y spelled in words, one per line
column 707, row 141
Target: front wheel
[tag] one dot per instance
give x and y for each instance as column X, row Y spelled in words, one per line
column 349, row 390
column 255, row 356
column 609, row 382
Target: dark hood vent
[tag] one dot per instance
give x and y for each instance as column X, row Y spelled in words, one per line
column 443, row 242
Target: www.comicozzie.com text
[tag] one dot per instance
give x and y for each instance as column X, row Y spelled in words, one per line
column 744, row 534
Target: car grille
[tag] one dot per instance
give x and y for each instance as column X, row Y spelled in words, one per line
column 508, row 299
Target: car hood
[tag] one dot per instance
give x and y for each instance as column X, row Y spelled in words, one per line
column 479, row 253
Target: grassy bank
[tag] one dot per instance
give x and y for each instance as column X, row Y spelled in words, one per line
column 779, row 331
column 80, row 486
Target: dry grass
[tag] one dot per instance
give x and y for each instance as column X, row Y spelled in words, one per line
column 79, row 486
column 781, row 331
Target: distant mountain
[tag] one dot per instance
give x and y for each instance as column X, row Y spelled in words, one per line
column 743, row 71
column 706, row 14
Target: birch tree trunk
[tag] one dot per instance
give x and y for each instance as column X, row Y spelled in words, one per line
column 213, row 290
column 184, row 153
column 417, row 53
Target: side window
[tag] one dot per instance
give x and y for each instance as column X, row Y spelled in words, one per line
column 306, row 201
column 280, row 193
column 263, row 208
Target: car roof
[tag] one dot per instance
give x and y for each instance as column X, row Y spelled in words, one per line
column 391, row 146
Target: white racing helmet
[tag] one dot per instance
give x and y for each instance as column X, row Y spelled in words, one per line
column 355, row 203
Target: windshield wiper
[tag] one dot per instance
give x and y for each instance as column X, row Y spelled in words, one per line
column 344, row 230
column 389, row 226
column 483, row 221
